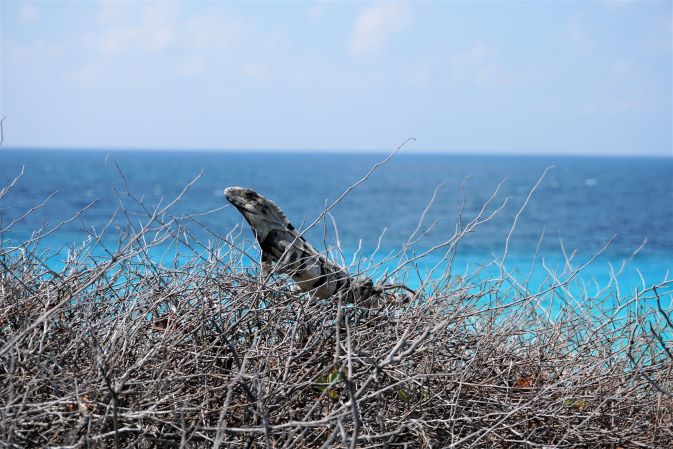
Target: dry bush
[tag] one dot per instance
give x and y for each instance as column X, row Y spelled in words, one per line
column 125, row 350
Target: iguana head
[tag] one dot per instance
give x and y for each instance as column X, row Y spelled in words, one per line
column 261, row 214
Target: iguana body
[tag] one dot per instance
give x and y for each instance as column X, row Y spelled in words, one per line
column 281, row 243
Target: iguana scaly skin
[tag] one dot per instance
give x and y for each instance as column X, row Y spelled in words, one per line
column 281, row 243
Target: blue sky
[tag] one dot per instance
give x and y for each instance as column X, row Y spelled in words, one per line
column 592, row 77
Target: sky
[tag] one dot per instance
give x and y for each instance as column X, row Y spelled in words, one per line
column 557, row 77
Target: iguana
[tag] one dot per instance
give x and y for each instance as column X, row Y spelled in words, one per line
column 280, row 242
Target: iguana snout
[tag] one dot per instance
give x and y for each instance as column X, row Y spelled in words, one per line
column 243, row 199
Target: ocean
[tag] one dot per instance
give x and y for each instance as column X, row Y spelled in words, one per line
column 580, row 205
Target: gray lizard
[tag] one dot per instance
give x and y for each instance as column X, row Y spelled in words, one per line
column 281, row 243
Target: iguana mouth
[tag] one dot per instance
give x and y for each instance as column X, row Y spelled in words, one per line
column 241, row 197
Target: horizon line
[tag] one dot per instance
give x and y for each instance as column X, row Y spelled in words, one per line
column 369, row 151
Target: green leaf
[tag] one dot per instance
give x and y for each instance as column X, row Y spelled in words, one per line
column 425, row 392
column 403, row 396
column 579, row 404
column 334, row 376
column 324, row 382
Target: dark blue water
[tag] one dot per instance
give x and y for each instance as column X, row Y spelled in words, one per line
column 580, row 205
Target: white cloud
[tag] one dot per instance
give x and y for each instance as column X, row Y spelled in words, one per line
column 317, row 9
column 86, row 74
column 376, row 25
column 192, row 66
column 476, row 65
column 122, row 31
column 618, row 72
column 34, row 54
column 580, row 39
column 28, row 13
column 159, row 24
column 215, row 32
column 125, row 31
column 213, row 42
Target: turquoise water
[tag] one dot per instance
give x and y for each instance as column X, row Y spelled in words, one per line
column 580, row 205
